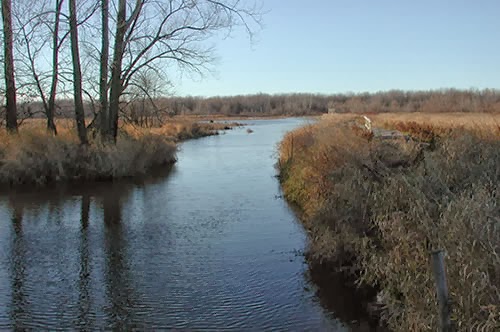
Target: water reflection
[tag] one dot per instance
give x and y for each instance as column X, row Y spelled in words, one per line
column 206, row 246
column 118, row 289
column 84, row 301
column 19, row 312
column 348, row 302
column 55, row 237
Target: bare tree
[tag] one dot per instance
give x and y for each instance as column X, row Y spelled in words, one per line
column 103, row 75
column 77, row 74
column 10, row 82
column 35, row 32
column 145, row 106
column 116, row 68
column 159, row 32
column 56, row 45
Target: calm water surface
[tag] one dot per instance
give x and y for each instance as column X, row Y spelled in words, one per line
column 209, row 245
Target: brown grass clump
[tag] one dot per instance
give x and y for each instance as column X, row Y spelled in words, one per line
column 35, row 157
column 180, row 128
column 38, row 158
column 377, row 208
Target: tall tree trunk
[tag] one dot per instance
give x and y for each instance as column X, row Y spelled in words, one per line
column 51, row 126
column 77, row 74
column 116, row 68
column 10, row 82
column 103, row 83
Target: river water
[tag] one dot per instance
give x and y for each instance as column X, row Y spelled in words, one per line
column 210, row 244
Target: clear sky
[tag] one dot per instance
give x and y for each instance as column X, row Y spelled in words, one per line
column 330, row 46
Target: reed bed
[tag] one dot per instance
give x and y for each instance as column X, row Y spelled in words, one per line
column 375, row 209
column 35, row 157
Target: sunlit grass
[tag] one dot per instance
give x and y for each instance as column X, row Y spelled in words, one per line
column 377, row 207
column 36, row 157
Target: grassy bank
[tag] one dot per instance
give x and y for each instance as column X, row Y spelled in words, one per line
column 182, row 128
column 376, row 208
column 37, row 158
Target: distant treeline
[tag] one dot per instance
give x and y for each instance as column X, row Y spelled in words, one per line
column 449, row 100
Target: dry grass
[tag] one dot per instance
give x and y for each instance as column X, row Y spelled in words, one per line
column 378, row 207
column 181, row 128
column 485, row 121
column 40, row 159
column 35, row 157
column 480, row 123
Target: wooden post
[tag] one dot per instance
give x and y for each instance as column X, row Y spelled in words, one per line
column 439, row 270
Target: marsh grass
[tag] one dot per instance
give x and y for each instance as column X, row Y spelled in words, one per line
column 181, row 128
column 376, row 208
column 417, row 123
column 40, row 159
column 35, row 157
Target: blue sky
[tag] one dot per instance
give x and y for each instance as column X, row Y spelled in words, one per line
column 330, row 46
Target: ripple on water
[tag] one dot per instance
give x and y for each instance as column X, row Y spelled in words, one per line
column 206, row 247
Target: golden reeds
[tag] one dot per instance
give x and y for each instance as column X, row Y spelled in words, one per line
column 378, row 207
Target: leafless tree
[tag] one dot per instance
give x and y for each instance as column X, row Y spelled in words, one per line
column 103, row 75
column 35, row 32
column 144, row 36
column 116, row 88
column 77, row 74
column 10, row 82
column 145, row 106
column 56, row 46
column 150, row 34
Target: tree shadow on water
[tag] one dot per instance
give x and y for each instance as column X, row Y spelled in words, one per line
column 19, row 312
column 97, row 266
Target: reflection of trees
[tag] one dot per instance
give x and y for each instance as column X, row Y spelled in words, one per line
column 18, row 268
column 84, row 301
column 117, row 278
column 113, row 275
column 116, row 270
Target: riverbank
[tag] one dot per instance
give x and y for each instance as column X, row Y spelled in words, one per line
column 34, row 157
column 375, row 208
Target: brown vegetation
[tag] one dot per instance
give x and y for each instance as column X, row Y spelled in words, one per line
column 36, row 157
column 135, row 77
column 438, row 101
column 480, row 123
column 376, row 208
column 311, row 104
column 401, row 102
column 181, row 128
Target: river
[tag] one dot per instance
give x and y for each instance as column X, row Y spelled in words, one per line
column 210, row 244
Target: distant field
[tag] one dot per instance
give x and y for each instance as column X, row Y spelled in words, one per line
column 427, row 125
column 451, row 120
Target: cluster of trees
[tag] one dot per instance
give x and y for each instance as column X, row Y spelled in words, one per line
column 445, row 100
column 107, row 59
column 104, row 54
column 449, row 100
column 148, row 106
column 251, row 105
